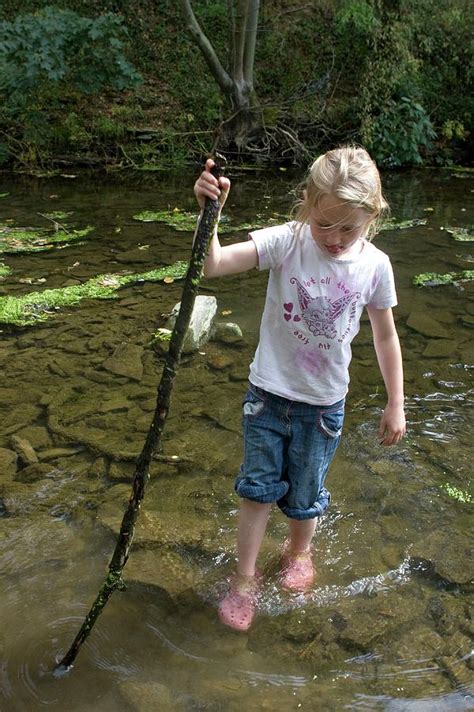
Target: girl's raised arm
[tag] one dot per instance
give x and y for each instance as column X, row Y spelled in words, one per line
column 231, row 259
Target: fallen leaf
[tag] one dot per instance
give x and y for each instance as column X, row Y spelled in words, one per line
column 168, row 280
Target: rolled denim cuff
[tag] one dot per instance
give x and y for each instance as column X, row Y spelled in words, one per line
column 263, row 493
column 317, row 509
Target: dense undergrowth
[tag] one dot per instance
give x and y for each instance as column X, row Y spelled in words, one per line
column 122, row 84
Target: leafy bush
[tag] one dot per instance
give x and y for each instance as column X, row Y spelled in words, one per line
column 49, row 60
column 401, row 133
column 60, row 46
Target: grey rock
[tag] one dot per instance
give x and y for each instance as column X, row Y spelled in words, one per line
column 228, row 332
column 200, row 326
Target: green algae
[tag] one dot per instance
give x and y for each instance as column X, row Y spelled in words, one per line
column 4, row 270
column 58, row 214
column 36, row 307
column 394, row 224
column 456, row 493
column 4, row 195
column 432, row 279
column 461, row 234
column 186, row 222
column 161, row 336
column 13, row 239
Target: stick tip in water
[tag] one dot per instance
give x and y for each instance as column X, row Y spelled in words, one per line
column 61, row 670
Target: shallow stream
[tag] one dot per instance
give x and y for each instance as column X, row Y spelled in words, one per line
column 387, row 625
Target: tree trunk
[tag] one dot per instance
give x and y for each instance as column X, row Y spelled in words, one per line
column 236, row 83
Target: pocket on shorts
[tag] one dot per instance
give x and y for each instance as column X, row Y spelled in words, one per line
column 253, row 404
column 331, row 422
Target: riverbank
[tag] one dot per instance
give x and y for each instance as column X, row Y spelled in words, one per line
column 143, row 97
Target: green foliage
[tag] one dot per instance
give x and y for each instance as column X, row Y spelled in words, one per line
column 401, row 133
column 49, row 59
column 61, row 47
column 343, row 69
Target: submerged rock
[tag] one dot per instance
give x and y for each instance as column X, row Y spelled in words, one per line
column 141, row 696
column 228, row 332
column 23, row 447
column 34, row 472
column 447, row 555
column 424, row 324
column 126, row 361
column 440, row 349
column 38, row 436
column 8, row 462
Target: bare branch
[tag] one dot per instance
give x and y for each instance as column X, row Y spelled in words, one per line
column 251, row 41
column 219, row 73
column 240, row 29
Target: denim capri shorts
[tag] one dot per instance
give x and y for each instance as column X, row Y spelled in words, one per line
column 288, row 447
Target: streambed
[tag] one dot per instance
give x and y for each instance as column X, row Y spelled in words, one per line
column 387, row 625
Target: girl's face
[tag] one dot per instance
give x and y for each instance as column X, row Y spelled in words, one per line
column 338, row 227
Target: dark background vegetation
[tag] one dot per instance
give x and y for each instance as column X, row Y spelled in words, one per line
column 122, row 83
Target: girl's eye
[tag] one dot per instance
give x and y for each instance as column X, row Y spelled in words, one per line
column 345, row 228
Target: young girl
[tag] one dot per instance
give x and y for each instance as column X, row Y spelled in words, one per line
column 323, row 271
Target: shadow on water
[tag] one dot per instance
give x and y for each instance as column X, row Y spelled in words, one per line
column 387, row 626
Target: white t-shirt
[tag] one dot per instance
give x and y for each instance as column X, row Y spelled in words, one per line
column 312, row 312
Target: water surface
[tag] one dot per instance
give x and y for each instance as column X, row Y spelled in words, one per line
column 387, row 624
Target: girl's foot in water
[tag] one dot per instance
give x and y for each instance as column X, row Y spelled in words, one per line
column 237, row 609
column 297, row 571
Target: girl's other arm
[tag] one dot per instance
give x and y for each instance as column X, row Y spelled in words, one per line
column 230, row 259
column 387, row 346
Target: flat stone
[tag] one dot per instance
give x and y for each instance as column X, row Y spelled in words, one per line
column 38, row 436
column 467, row 353
column 26, row 453
column 448, row 555
column 440, row 349
column 140, row 696
column 126, row 361
column 34, row 472
column 56, row 452
column 219, row 362
column 426, row 325
column 8, row 462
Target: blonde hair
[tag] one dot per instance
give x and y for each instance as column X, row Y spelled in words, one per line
column 350, row 174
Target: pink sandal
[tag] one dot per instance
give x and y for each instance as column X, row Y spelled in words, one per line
column 297, row 573
column 237, row 609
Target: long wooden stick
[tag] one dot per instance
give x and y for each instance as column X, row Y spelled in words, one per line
column 141, row 476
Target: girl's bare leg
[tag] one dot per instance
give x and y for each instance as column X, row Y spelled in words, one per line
column 253, row 518
column 301, row 534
